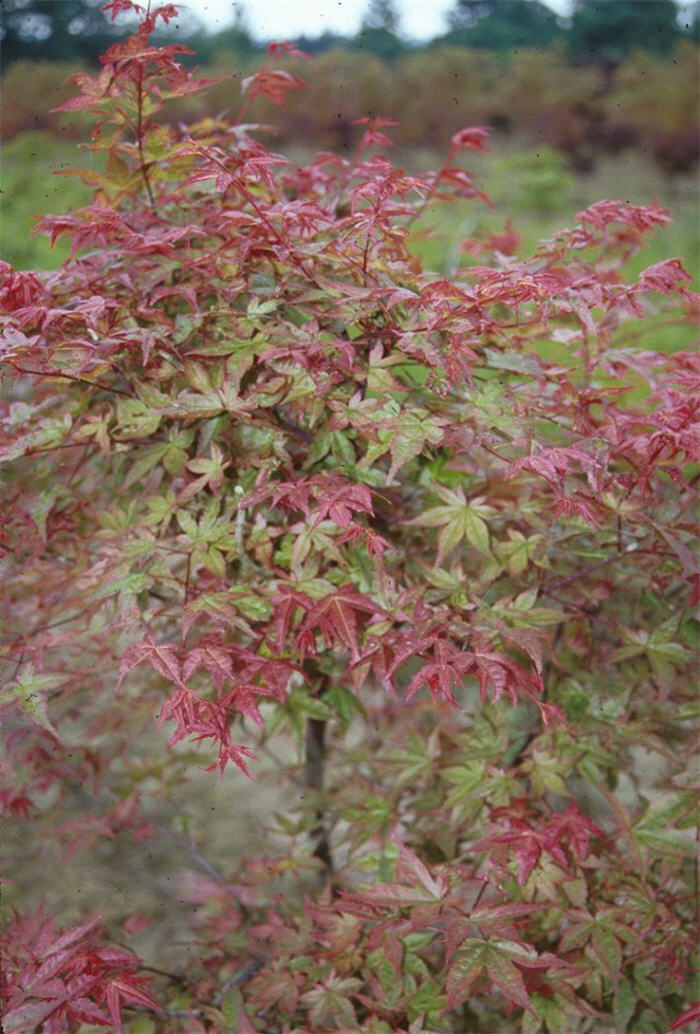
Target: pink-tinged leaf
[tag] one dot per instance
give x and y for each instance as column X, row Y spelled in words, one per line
column 664, row 276
column 231, row 753
column 689, row 562
column 26, row 1017
column 506, row 976
column 116, row 7
column 278, row 49
column 162, row 656
column 326, row 495
column 688, row 1016
column 474, row 138
column 552, row 463
column 608, row 950
column 373, row 543
column 340, row 500
column 335, row 618
column 565, row 506
column 373, row 901
column 245, row 1024
column 448, row 670
column 468, row 965
column 85, row 1011
column 493, row 672
column 216, row 660
column 113, row 1000
column 127, row 987
column 165, row 660
column 271, row 83
column 71, row 936
column 286, row 604
column 640, row 217
column 498, row 919
column 410, row 869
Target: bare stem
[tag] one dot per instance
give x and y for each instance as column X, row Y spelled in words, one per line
column 139, row 141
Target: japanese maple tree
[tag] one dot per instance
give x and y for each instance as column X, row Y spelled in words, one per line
column 266, row 476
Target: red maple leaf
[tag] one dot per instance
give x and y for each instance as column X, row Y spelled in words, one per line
column 163, row 657
column 271, row 82
column 335, row 618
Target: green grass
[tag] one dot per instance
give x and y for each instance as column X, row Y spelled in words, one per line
column 30, row 188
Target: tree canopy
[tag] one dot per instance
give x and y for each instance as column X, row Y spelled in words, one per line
column 608, row 30
column 503, row 24
column 70, row 30
column 379, row 31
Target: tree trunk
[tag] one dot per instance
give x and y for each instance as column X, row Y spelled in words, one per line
column 314, row 764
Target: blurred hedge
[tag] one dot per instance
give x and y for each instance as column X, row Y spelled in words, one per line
column 536, row 94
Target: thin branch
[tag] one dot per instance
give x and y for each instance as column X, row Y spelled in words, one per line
column 72, row 377
column 53, row 624
column 139, row 141
column 201, row 861
column 239, row 977
column 560, row 583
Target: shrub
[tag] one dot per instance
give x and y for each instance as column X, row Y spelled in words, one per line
column 657, row 110
column 266, row 476
column 29, row 90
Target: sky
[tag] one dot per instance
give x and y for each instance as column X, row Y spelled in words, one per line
column 281, row 19
column 285, row 19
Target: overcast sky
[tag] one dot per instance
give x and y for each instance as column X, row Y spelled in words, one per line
column 281, row 19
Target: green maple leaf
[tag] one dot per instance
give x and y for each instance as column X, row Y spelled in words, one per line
column 458, row 519
column 29, row 692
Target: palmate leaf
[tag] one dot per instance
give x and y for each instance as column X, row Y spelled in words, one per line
column 29, row 693
column 458, row 519
column 552, row 463
column 409, row 436
column 414, row 885
column 447, row 671
column 215, row 658
column 495, row 960
column 321, row 497
column 128, row 988
column 60, row 981
column 224, row 607
column 334, row 617
column 164, row 657
column 657, row 828
column 410, row 868
column 688, row 1016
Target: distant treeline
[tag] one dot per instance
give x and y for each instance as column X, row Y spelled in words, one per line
column 603, row 32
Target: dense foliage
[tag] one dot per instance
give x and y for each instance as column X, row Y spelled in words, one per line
column 267, row 476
